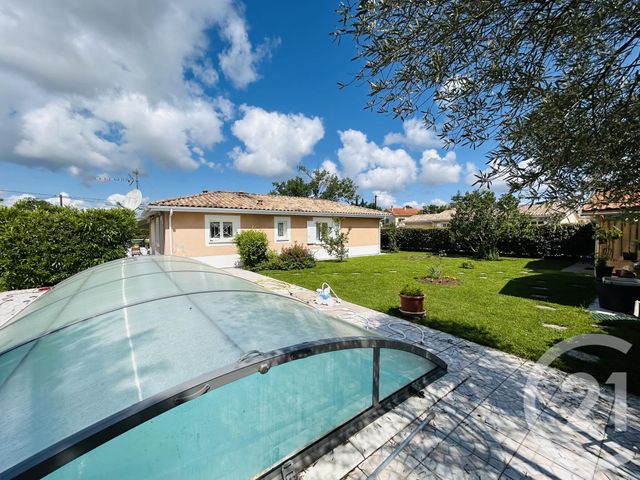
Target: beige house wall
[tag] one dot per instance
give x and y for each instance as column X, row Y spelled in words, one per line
column 630, row 234
column 189, row 233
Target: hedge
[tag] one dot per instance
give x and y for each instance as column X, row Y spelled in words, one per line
column 541, row 241
column 41, row 245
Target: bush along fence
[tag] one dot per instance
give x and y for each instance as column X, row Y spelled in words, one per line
column 538, row 241
column 42, row 244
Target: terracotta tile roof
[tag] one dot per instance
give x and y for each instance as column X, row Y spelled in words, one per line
column 599, row 203
column 256, row 201
column 543, row 209
column 443, row 216
column 404, row 211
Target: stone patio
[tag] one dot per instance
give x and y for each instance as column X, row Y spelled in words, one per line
column 471, row 422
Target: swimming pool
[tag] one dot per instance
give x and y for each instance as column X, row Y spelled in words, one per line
column 162, row 366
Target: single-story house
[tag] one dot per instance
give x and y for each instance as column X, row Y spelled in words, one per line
column 542, row 213
column 399, row 215
column 203, row 226
column 625, row 217
column 430, row 220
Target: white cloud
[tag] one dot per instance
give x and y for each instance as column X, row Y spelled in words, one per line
column 109, row 85
column 373, row 167
column 437, row 201
column 385, row 199
column 274, row 142
column 436, row 170
column 330, row 167
column 116, row 132
column 470, row 173
column 415, row 135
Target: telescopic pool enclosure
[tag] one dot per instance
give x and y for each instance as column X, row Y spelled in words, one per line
column 165, row 367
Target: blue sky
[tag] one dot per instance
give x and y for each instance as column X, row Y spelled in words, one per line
column 203, row 94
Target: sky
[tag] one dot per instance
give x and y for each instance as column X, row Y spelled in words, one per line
column 199, row 94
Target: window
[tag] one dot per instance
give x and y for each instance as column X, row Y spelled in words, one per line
column 221, row 229
column 282, row 229
column 322, row 229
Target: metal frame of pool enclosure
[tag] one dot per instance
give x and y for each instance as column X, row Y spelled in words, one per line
column 286, row 404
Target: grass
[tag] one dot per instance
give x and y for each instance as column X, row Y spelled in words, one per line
column 494, row 303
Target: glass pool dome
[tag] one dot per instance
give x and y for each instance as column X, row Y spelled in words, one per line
column 164, row 367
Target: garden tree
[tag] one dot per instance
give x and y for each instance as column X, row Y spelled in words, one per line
column 481, row 221
column 432, row 208
column 361, row 202
column 318, row 184
column 335, row 241
column 555, row 83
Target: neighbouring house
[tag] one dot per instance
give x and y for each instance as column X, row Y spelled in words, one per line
column 431, row 220
column 625, row 217
column 399, row 215
column 203, row 226
column 543, row 213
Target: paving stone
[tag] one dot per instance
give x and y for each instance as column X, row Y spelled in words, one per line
column 554, row 326
column 526, row 464
column 543, row 289
column 423, row 442
column 450, row 460
column 335, row 464
column 585, row 357
column 400, row 466
column 487, row 444
column 545, row 307
column 540, row 297
column 379, row 432
column 515, row 431
column 423, row 473
column 355, row 273
column 582, row 463
column 355, row 474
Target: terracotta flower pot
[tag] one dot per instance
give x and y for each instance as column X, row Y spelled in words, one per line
column 412, row 305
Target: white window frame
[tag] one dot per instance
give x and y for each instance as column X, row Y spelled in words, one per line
column 287, row 232
column 209, row 219
column 330, row 223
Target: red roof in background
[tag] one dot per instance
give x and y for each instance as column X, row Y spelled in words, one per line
column 404, row 211
column 598, row 203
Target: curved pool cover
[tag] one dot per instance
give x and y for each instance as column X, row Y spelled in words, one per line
column 164, row 367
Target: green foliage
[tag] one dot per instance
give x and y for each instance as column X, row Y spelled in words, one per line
column 42, row 244
column 319, row 184
column 253, row 248
column 468, row 265
column 296, row 257
column 556, row 85
column 481, row 221
column 606, row 236
column 335, row 241
column 389, row 238
column 539, row 241
column 411, row 291
column 435, row 270
column 431, row 208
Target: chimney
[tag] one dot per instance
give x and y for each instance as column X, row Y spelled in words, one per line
column 205, row 191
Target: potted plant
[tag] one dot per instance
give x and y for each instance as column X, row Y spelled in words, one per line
column 412, row 300
column 602, row 269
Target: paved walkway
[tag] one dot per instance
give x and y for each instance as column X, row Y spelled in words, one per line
column 12, row 302
column 471, row 422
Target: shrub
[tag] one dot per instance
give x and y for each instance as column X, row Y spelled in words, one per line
column 271, row 263
column 410, row 291
column 538, row 241
column 468, row 265
column 253, row 248
column 436, row 270
column 42, row 244
column 335, row 242
column 296, row 257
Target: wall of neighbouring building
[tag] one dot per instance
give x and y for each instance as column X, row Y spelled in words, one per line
column 630, row 234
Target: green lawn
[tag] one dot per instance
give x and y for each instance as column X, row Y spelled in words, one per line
column 499, row 310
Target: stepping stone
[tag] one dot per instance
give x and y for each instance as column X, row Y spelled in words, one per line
column 540, row 297
column 540, row 288
column 335, row 273
column 585, row 357
column 393, row 271
column 544, row 307
column 575, row 285
column 604, row 327
column 460, row 273
column 540, row 281
column 484, row 278
column 355, row 273
column 553, row 326
column 499, row 272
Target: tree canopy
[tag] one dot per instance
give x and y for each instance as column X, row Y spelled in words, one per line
column 481, row 221
column 433, row 208
column 555, row 83
column 318, row 184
